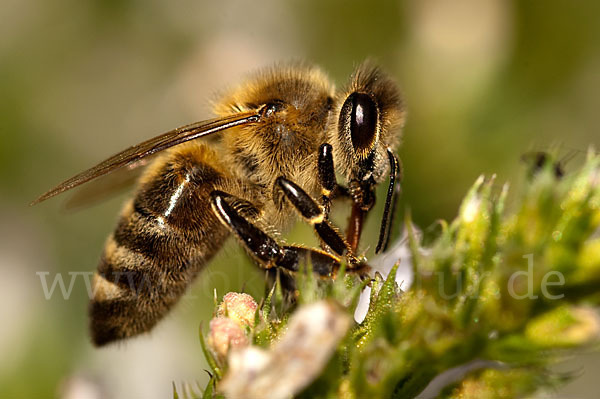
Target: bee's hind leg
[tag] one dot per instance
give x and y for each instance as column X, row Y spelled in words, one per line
column 263, row 248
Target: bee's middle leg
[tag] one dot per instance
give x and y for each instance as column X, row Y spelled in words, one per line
column 263, row 248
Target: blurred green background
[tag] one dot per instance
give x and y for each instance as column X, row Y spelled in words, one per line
column 485, row 81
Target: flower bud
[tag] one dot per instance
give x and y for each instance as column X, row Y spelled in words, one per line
column 240, row 308
column 225, row 334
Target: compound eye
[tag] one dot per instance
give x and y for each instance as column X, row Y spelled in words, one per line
column 363, row 120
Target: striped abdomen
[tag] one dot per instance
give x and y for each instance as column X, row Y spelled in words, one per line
column 165, row 235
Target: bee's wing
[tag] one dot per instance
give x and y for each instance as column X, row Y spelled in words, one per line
column 106, row 186
column 137, row 152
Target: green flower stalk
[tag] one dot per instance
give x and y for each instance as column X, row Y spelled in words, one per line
column 502, row 293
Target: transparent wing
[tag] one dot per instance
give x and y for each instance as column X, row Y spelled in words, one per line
column 159, row 143
column 107, row 186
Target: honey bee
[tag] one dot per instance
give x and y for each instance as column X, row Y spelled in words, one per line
column 284, row 135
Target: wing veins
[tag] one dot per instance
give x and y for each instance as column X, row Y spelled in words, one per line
column 151, row 146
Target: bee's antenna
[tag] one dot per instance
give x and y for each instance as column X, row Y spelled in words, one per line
column 390, row 202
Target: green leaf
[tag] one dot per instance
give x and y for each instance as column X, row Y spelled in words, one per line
column 208, row 356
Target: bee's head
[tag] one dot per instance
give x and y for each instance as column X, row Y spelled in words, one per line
column 370, row 115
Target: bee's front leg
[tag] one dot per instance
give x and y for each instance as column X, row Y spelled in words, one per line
column 263, row 248
column 326, row 175
column 330, row 188
column 362, row 197
column 315, row 215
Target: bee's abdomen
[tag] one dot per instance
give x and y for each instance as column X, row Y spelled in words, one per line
column 165, row 235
